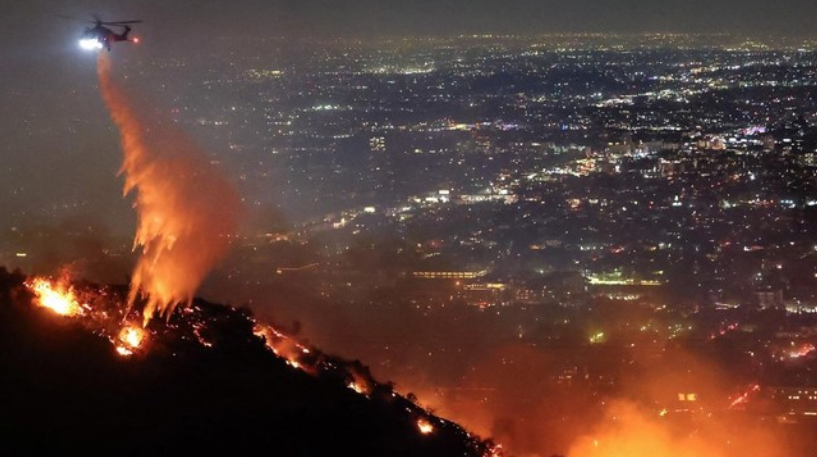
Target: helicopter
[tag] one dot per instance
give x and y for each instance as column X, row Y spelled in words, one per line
column 99, row 36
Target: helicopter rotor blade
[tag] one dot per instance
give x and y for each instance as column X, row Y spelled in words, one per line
column 98, row 20
column 120, row 22
column 72, row 18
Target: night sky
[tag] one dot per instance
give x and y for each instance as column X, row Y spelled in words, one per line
column 25, row 23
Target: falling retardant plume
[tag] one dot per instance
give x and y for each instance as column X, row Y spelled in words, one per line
column 187, row 212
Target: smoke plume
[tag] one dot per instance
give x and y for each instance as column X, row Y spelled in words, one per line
column 187, row 211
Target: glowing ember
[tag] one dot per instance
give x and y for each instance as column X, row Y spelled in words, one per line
column 724, row 330
column 424, row 426
column 123, row 351
column 56, row 297
column 202, row 340
column 496, row 451
column 803, row 351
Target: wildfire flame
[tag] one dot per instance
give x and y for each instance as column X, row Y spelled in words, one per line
column 802, row 351
column 360, row 384
column 56, row 297
column 132, row 336
column 281, row 345
column 496, row 451
column 743, row 398
column 425, row 426
column 130, row 339
column 62, row 299
column 187, row 212
column 356, row 387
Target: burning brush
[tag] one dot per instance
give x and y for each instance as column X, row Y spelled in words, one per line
column 105, row 317
column 102, row 311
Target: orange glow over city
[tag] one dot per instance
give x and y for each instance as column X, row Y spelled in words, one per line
column 630, row 431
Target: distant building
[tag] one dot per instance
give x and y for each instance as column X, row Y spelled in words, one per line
column 796, row 401
column 485, row 295
column 448, row 274
column 377, row 144
column 769, row 298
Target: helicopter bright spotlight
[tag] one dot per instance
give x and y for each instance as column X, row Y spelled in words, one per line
column 99, row 36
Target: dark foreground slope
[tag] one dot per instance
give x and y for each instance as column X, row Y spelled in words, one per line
column 63, row 390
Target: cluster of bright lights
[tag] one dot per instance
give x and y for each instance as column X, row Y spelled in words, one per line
column 90, row 44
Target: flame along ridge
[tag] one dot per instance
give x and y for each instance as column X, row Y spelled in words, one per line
column 103, row 311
